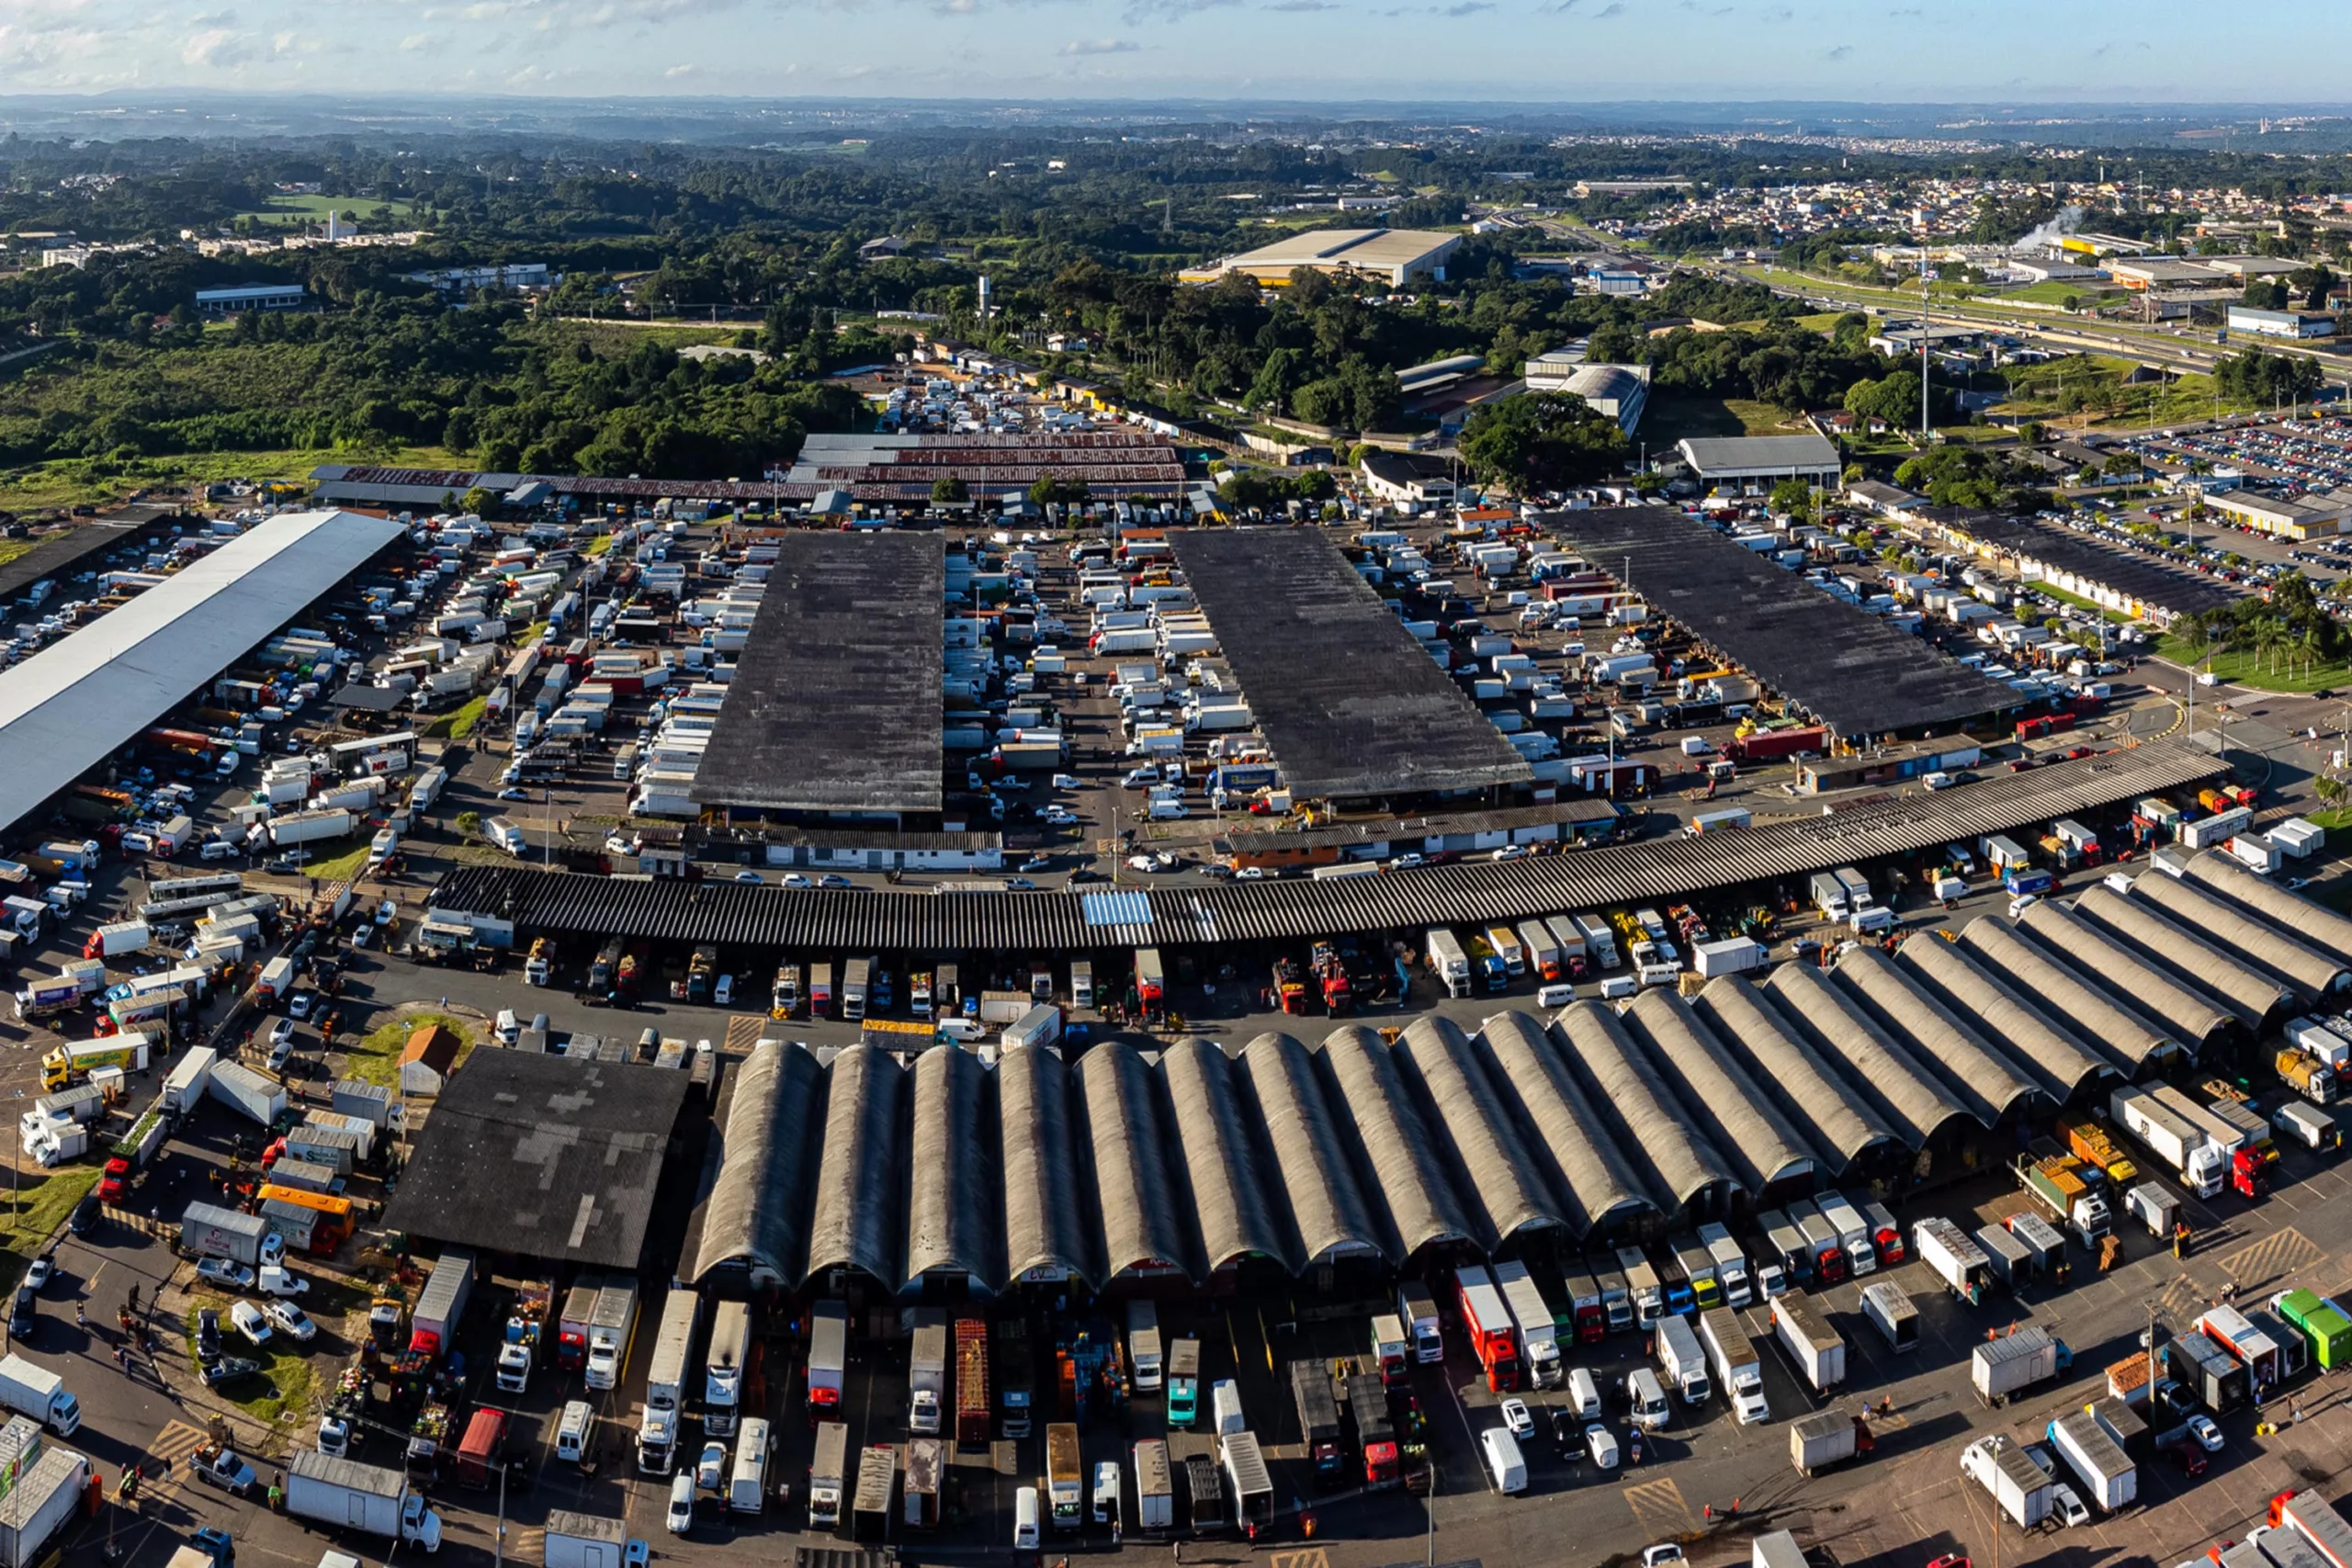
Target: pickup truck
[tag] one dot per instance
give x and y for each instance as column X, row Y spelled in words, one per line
column 221, row 1467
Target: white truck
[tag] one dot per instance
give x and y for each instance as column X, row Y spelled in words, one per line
column 827, row 1475
column 1448, row 962
column 1736, row 1363
column 1143, row 1344
column 2094, row 1451
column 1817, row 1349
column 342, row 1494
column 927, row 1376
column 1731, row 1264
column 1853, row 1233
column 730, row 1347
column 584, row 1541
column 39, row 1394
column 2181, row 1145
column 665, row 1384
column 2000, row 1367
column 1680, row 1357
column 1539, row 1343
column 1601, row 939
column 1952, row 1256
column 610, row 1330
column 2013, row 1474
column 50, row 1485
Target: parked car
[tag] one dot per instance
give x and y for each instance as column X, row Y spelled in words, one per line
column 250, row 1322
column 225, row 1273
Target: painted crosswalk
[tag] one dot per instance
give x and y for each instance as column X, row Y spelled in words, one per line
column 743, row 1032
column 2278, row 1256
column 2183, row 1299
column 175, row 1443
column 1301, row 1557
column 1659, row 1509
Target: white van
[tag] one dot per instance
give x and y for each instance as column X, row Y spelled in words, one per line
column 1616, row 988
column 1024, row 1520
column 1584, row 1395
column 1557, row 996
column 1225, row 1402
column 1106, row 1492
column 1647, row 1396
column 1165, row 810
column 572, row 1435
column 1505, row 1470
column 747, row 1488
column 217, row 849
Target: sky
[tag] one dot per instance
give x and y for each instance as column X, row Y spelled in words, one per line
column 1462, row 51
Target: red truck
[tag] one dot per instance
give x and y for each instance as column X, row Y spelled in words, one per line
column 1769, row 744
column 572, row 1331
column 478, row 1456
column 971, row 1382
column 1488, row 1322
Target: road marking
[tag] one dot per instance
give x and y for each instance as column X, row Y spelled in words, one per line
column 1302, row 1557
column 2277, row 1256
column 743, row 1032
column 2183, row 1298
column 1659, row 1509
column 176, row 1442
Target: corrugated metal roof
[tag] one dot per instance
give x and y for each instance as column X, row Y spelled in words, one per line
column 1326, row 1205
column 855, row 1224
column 1404, row 1178
column 2064, row 1063
column 1135, row 1205
column 1747, row 1128
column 1228, row 1196
column 1502, row 1191
column 68, row 707
column 2117, row 1026
column 1982, row 1074
column 1042, row 1227
column 2250, row 996
column 2057, row 932
column 1838, row 1121
column 951, row 1187
column 1591, row 1173
column 1663, row 1137
column 691, row 911
column 2311, row 924
column 758, row 1207
column 2259, row 945
column 1913, row 1100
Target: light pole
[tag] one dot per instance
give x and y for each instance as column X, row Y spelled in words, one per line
column 1430, row 1557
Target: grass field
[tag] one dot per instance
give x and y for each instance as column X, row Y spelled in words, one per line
column 1669, row 420
column 35, row 1205
column 2249, row 669
column 70, row 481
column 314, row 208
column 11, row 548
column 280, row 1389
column 377, row 1058
column 2055, row 292
column 460, row 722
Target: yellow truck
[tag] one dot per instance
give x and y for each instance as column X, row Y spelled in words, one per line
column 2093, row 1148
column 70, row 1065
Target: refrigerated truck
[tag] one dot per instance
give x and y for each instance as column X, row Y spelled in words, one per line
column 1539, row 1341
column 1853, row 1233
column 1824, row 1252
column 2094, row 1454
column 2000, row 1367
column 1952, row 1257
column 828, row 1357
column 1448, row 962
column 1143, row 1344
column 1418, row 1309
column 1817, row 1349
column 2020, row 1487
column 1731, row 1264
column 827, row 1475
column 725, row 1367
column 1486, row 1320
column 1641, row 1281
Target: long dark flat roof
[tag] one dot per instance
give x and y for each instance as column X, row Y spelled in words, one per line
column 836, row 700
column 1178, row 914
column 63, row 552
column 552, row 1157
column 1349, row 701
column 2153, row 582
column 1843, row 665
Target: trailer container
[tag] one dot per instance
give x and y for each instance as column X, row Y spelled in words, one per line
column 1155, row 1490
column 1486, row 1320
column 2308, row 1515
column 2001, row 1367
column 1822, row 1439
column 1817, row 1349
column 926, row 1469
column 2323, row 1325
column 1539, row 1342
column 2020, row 1486
column 2207, row 1371
column 827, row 1475
column 1952, row 1257
column 1885, row 1304
column 2094, row 1452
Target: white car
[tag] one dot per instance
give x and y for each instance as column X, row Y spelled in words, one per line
column 794, row 879
column 1601, row 1444
column 251, row 1322
column 1067, row 781
column 1520, row 1419
column 226, row 1273
column 2207, row 1436
column 682, row 1503
column 1142, row 863
column 281, row 1032
column 387, row 912
column 2067, row 1507
column 287, row 1319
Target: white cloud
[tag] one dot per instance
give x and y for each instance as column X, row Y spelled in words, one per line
column 677, row 71
column 214, row 47
column 1101, row 46
column 415, row 42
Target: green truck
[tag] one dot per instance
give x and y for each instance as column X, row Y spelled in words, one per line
column 2322, row 1322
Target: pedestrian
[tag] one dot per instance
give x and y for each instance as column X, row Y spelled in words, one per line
column 81, row 1316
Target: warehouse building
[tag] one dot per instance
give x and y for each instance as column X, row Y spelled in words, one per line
column 70, row 706
column 1541, row 1135
column 2072, row 563
column 2305, row 518
column 1615, row 391
column 1752, row 465
column 1394, row 256
column 251, row 297
column 2299, row 325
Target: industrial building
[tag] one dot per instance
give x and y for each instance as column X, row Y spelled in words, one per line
column 526, row 903
column 555, row 1158
column 1348, row 702
column 961, row 1174
column 993, row 464
column 252, row 297
column 2304, row 518
column 2072, row 563
column 837, row 700
column 1393, row 256
column 70, row 706
column 2299, row 325
column 1839, row 663
column 1614, row 392
column 1752, row 465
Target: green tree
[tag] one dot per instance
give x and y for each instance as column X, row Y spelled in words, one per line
column 950, row 490
column 483, row 502
column 1541, row 440
column 1794, row 497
